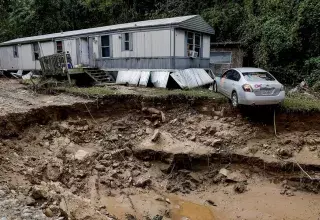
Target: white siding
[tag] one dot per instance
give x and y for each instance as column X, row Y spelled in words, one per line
column 145, row 44
column 180, row 43
column 70, row 46
column 27, row 62
column 7, row 60
column 47, row 48
column 206, row 46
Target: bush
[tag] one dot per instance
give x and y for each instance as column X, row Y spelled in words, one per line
column 316, row 87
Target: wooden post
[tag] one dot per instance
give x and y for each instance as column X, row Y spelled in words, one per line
column 66, row 62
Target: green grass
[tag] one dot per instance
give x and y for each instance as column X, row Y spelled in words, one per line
column 90, row 91
column 204, row 93
column 301, row 102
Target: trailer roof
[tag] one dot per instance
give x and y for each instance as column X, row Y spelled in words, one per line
column 191, row 22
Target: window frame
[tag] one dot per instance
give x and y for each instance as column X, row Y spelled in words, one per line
column 229, row 52
column 125, row 41
column 15, row 51
column 105, row 46
column 62, row 47
column 194, row 46
column 34, row 51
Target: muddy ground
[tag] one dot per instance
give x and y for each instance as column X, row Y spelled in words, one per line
column 128, row 157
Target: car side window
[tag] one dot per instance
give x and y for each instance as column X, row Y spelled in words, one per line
column 236, row 76
column 229, row 74
column 224, row 75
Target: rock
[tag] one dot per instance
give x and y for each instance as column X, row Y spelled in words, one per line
column 147, row 122
column 240, row 188
column 48, row 212
column 54, row 169
column 118, row 154
column 30, row 201
column 2, row 193
column 194, row 177
column 100, row 167
column 147, row 164
column 193, row 138
column 143, row 182
column 156, row 135
column 210, row 202
column 216, row 118
column 115, row 165
column 136, row 173
column 224, row 171
column 149, row 130
column 105, row 163
column 114, row 137
column 38, row 193
column 216, row 143
column 284, row 153
column 81, row 155
column 236, row 177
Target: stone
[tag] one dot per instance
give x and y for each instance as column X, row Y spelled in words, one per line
column 2, row 193
column 194, row 177
column 100, row 167
column 193, row 138
column 136, row 173
column 118, row 154
column 54, row 169
column 147, row 164
column 149, row 130
column 143, row 182
column 106, row 163
column 240, row 188
column 147, row 122
column 155, row 135
column 38, row 193
column 236, row 177
column 30, row 201
column 224, row 171
column 113, row 137
column 81, row 155
column 284, row 153
column 48, row 212
column 216, row 143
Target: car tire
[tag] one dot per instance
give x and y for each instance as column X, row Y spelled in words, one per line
column 234, row 99
column 215, row 87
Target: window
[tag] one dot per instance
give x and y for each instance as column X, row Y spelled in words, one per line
column 59, row 47
column 15, row 51
column 193, row 43
column 258, row 76
column 105, row 46
column 36, row 51
column 220, row 57
column 126, row 41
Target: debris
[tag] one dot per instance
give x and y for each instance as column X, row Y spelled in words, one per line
column 240, row 187
column 81, row 155
column 48, row 212
column 210, row 202
column 284, row 153
column 156, row 135
column 224, row 171
column 143, row 182
column 100, row 167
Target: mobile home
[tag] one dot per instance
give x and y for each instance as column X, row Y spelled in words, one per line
column 170, row 43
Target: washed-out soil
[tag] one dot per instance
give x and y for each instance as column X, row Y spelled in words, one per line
column 175, row 157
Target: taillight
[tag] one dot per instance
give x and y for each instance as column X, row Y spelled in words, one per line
column 247, row 88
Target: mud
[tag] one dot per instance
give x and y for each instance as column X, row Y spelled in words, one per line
column 132, row 157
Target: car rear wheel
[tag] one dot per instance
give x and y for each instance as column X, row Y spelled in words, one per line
column 215, row 87
column 234, row 99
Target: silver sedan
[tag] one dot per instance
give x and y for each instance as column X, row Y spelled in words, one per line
column 249, row 86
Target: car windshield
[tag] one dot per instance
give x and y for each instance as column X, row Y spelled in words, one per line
column 258, row 76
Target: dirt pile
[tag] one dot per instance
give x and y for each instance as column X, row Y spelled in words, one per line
column 118, row 166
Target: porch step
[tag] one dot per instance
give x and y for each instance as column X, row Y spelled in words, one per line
column 99, row 76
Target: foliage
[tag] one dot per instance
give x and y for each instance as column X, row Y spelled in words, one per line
column 279, row 35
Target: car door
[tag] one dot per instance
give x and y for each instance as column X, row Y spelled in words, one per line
column 229, row 82
column 223, row 82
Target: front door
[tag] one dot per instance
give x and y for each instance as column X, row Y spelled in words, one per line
column 83, row 45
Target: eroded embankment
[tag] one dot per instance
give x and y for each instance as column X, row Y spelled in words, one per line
column 130, row 156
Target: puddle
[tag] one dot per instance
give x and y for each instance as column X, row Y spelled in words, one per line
column 185, row 210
